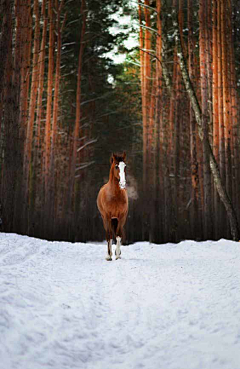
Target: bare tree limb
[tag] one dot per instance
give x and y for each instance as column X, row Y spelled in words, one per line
column 86, row 144
column 85, row 165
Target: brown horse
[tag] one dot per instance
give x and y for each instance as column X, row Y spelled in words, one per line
column 112, row 203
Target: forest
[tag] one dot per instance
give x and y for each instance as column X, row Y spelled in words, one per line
column 172, row 104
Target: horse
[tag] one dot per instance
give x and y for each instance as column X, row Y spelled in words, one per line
column 112, row 203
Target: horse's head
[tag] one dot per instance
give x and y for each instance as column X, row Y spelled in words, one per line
column 118, row 167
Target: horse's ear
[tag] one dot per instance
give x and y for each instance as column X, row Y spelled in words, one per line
column 111, row 158
column 124, row 155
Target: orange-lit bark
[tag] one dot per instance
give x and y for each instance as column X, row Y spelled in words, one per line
column 225, row 87
column 151, row 119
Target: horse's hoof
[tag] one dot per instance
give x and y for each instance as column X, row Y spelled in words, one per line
column 118, row 257
column 108, row 258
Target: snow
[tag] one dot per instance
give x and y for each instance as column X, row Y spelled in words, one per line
column 172, row 306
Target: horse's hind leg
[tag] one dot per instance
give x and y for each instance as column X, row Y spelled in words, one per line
column 109, row 253
column 109, row 247
column 108, row 238
column 118, row 245
column 118, row 248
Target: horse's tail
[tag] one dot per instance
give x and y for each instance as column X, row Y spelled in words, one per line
column 114, row 224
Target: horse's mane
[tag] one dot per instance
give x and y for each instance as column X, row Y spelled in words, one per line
column 118, row 157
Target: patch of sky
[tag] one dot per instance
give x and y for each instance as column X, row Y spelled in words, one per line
column 126, row 25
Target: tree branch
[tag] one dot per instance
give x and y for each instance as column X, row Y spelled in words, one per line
column 86, row 144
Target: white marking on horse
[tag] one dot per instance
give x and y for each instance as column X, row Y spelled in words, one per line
column 122, row 181
column 118, row 251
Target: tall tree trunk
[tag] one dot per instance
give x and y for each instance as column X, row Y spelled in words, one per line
column 71, row 196
column 158, row 150
column 55, row 109
column 5, row 49
column 193, row 139
column 203, row 6
column 141, row 43
column 215, row 103
column 12, row 142
column 226, row 54
column 220, row 94
column 147, row 90
column 234, row 111
column 32, row 104
column 6, row 8
column 38, row 178
column 26, row 50
column 41, row 63
column 47, row 145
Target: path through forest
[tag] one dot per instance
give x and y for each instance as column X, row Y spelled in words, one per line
column 171, row 306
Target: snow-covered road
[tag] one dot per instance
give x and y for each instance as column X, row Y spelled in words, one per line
column 63, row 305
